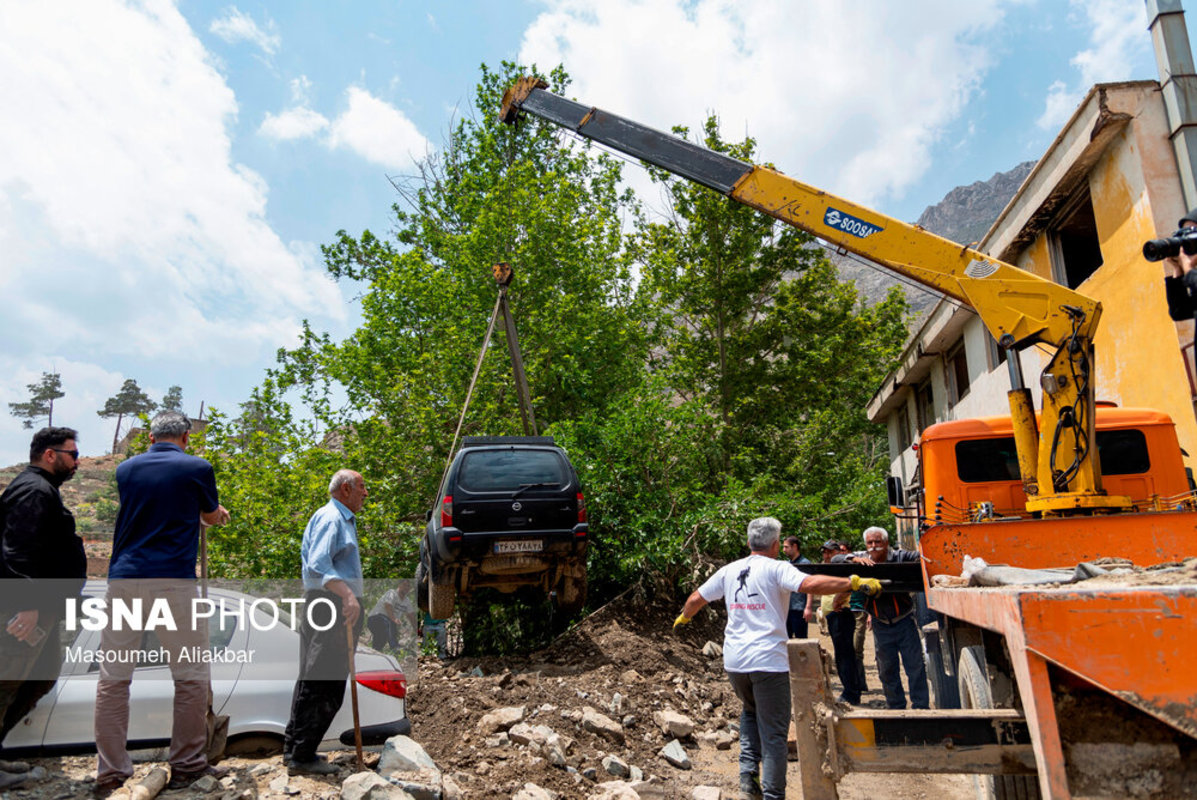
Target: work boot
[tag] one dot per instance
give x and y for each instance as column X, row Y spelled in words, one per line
column 750, row 787
column 102, row 789
column 181, row 780
column 317, row 766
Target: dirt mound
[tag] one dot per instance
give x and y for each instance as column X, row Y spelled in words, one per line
column 623, row 662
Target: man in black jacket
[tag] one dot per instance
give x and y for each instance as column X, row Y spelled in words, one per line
column 895, row 630
column 1180, row 285
column 42, row 562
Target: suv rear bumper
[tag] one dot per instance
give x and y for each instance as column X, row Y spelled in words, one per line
column 454, row 545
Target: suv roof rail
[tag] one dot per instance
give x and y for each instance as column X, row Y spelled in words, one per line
column 478, row 441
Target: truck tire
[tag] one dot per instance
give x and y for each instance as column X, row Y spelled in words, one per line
column 441, row 597
column 975, row 692
column 422, row 588
column 571, row 596
column 944, row 690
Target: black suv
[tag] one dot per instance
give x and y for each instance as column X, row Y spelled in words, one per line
column 510, row 513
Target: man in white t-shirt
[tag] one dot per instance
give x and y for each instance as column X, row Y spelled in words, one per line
column 757, row 591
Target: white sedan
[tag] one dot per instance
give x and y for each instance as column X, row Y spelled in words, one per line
column 256, row 695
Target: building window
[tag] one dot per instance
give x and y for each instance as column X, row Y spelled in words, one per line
column 904, row 440
column 924, row 405
column 957, row 372
column 997, row 354
column 1076, row 252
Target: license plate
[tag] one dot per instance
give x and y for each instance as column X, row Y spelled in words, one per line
column 525, row 546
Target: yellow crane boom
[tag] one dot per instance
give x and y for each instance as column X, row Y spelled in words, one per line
column 1060, row 469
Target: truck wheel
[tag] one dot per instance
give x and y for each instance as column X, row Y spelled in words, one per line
column 422, row 588
column 572, row 594
column 441, row 597
column 975, row 692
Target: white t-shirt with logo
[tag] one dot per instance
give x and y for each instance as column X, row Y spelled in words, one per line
column 756, row 591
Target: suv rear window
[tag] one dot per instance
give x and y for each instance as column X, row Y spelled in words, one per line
column 508, row 470
column 1122, row 452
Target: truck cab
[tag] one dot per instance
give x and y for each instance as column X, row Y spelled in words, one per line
column 969, row 467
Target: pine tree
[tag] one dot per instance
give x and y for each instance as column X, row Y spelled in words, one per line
column 41, row 400
column 129, row 400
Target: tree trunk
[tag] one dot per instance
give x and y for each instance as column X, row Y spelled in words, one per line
column 117, row 433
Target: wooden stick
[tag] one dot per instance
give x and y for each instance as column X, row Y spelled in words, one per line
column 357, row 723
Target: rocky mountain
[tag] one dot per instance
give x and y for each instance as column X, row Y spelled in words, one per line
column 964, row 215
column 966, row 212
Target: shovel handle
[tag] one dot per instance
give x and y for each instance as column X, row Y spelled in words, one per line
column 357, row 722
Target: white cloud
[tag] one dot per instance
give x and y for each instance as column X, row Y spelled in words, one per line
column 377, row 131
column 850, row 97
column 301, row 89
column 1116, row 35
column 236, row 26
column 127, row 231
column 294, row 123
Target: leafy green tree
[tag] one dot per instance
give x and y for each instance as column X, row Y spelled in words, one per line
column 129, row 401
column 173, row 401
column 522, row 195
column 41, row 400
column 756, row 329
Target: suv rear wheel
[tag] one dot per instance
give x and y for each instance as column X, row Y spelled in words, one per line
column 441, row 597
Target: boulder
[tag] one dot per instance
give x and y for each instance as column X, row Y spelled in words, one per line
column 533, row 792
column 403, row 754
column 705, row 793
column 424, row 784
column 371, row 786
column 501, row 719
column 712, row 650
column 614, row 765
column 602, row 725
column 614, row 790
column 671, row 723
column 675, row 754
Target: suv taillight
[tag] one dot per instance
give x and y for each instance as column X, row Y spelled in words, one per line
column 387, row 682
column 581, row 508
column 447, row 511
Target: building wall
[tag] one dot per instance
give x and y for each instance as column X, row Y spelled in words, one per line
column 1132, row 179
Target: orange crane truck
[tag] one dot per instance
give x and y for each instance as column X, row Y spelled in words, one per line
column 1068, row 689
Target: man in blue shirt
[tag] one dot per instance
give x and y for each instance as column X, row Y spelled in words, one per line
column 332, row 583
column 165, row 495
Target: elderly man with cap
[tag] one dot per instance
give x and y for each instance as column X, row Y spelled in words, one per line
column 1181, row 285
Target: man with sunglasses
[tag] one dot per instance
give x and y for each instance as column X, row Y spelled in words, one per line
column 42, row 562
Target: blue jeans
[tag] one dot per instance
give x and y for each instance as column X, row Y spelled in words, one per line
column 764, row 723
column 901, row 639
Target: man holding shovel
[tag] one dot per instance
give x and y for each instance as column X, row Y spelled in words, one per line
column 332, row 583
column 165, row 494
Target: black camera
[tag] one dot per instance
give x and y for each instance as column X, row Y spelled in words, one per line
column 1159, row 249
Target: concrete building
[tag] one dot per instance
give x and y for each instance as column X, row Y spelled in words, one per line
column 1109, row 182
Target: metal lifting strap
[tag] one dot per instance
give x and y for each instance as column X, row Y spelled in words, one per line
column 490, row 329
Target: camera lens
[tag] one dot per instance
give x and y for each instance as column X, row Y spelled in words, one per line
column 1159, row 249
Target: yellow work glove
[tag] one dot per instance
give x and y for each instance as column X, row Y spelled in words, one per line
column 682, row 619
column 870, row 586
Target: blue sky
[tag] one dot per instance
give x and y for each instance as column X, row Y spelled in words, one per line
column 168, row 171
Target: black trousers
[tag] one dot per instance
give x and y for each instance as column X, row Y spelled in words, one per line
column 842, row 627
column 28, row 673
column 323, row 670
column 796, row 625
